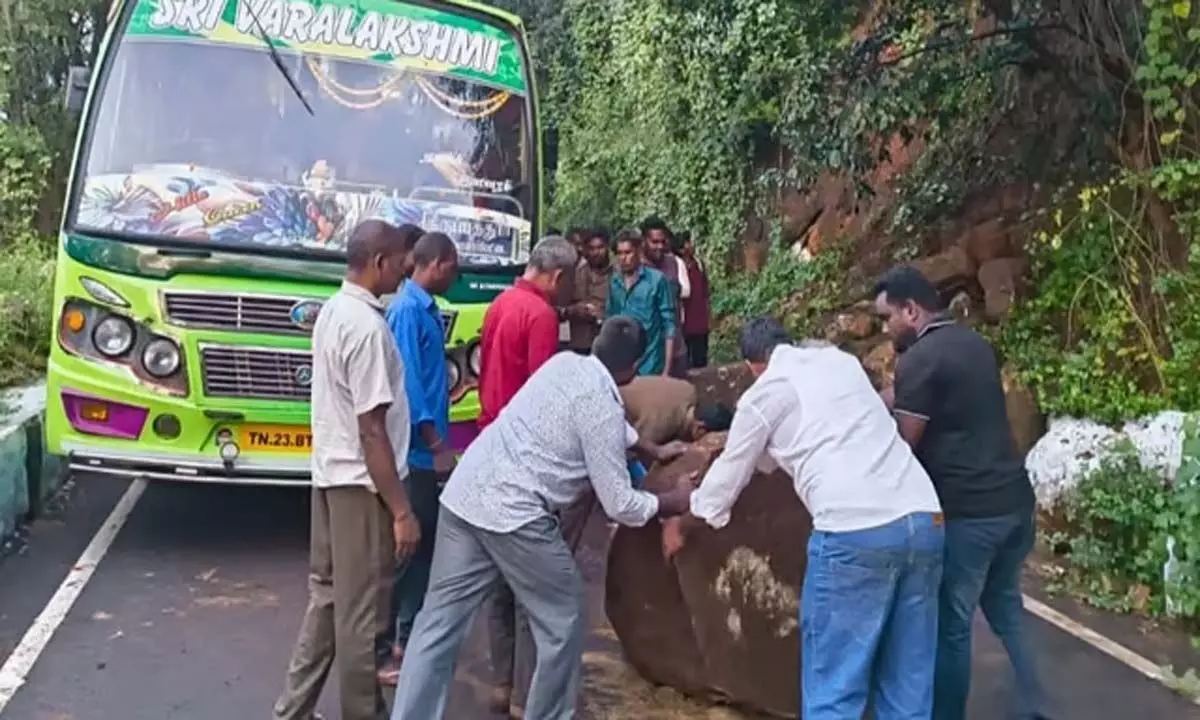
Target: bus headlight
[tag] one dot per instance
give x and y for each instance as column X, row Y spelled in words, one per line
column 161, row 357
column 475, row 360
column 453, row 374
column 113, row 336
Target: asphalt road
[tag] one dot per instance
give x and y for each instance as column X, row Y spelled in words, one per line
column 192, row 613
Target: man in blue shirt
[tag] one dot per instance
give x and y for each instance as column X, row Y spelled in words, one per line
column 416, row 323
column 645, row 295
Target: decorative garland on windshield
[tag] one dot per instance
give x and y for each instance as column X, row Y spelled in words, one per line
column 466, row 109
column 389, row 89
column 385, row 91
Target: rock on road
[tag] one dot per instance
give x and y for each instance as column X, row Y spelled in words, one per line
column 192, row 613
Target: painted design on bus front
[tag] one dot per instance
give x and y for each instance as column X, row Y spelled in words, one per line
column 195, row 203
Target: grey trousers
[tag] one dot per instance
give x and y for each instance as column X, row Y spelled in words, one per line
column 536, row 563
column 510, row 642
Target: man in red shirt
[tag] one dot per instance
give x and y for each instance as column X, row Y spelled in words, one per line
column 520, row 333
column 520, row 329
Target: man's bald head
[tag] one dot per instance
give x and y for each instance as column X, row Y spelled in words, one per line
column 374, row 238
column 378, row 254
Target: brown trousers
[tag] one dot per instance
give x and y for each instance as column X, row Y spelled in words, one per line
column 351, row 562
column 510, row 640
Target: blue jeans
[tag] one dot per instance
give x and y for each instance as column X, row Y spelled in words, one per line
column 984, row 557
column 424, row 488
column 869, row 620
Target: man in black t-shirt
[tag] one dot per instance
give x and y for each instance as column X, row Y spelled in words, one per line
column 949, row 403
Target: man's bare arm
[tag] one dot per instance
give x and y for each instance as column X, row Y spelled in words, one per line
column 912, row 428
column 675, row 531
column 380, row 459
column 674, row 502
column 669, row 349
column 429, row 436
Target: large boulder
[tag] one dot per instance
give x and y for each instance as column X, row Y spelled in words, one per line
column 721, row 384
column 721, row 620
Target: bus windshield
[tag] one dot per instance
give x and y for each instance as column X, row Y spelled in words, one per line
column 203, row 138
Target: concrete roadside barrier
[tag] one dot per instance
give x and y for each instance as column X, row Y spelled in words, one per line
column 28, row 477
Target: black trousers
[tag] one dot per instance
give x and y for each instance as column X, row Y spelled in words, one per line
column 697, row 350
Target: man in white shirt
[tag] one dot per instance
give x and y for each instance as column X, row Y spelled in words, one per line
column 361, row 518
column 869, row 609
column 565, row 428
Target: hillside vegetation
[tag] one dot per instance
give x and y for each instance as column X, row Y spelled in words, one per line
column 1067, row 131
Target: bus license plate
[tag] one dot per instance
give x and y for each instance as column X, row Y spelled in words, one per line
column 276, row 438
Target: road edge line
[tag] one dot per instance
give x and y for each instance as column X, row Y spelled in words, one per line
column 1109, row 647
column 20, row 662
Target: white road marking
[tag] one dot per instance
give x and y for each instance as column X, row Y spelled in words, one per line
column 1109, row 647
column 18, row 665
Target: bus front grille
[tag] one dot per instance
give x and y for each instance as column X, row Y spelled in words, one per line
column 262, row 373
column 233, row 311
column 261, row 313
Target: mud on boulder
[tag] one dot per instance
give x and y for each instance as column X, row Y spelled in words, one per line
column 721, row 620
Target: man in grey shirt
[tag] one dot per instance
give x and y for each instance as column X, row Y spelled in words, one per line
column 565, row 427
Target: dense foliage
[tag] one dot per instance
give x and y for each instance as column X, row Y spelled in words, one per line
column 1112, row 330
column 39, row 41
column 708, row 112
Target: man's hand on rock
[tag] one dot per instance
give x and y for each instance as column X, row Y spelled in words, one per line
column 678, row 500
column 670, row 451
column 674, row 535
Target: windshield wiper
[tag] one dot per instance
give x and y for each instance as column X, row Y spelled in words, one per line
column 291, row 81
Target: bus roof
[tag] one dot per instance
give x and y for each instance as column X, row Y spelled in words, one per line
column 502, row 15
column 495, row 12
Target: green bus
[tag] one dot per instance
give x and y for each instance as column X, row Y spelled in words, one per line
column 227, row 148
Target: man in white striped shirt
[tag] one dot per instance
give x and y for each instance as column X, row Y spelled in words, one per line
column 564, row 429
column 869, row 609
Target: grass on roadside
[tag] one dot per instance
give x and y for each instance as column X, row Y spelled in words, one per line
column 26, row 294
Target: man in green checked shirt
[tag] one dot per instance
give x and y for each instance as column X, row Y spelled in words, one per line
column 645, row 295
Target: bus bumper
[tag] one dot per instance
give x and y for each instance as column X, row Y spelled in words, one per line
column 127, row 446
column 248, row 471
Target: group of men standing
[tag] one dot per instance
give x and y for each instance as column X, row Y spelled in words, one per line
column 657, row 279
column 921, row 508
column 381, row 459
